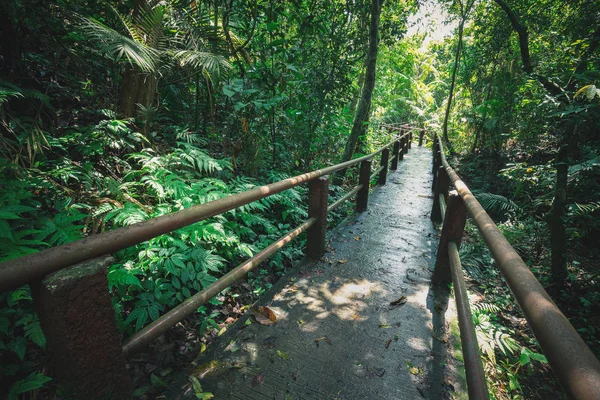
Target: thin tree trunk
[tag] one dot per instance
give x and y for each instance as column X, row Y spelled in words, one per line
column 453, row 81
column 556, row 215
column 361, row 118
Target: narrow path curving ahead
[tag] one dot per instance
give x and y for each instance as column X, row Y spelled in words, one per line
column 363, row 323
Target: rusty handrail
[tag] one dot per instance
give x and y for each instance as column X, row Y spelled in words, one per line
column 571, row 360
column 22, row 270
column 189, row 306
column 476, row 383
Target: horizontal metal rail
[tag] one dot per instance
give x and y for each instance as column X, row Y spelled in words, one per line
column 476, row 382
column 189, row 306
column 401, row 126
column 345, row 197
column 376, row 172
column 573, row 363
column 17, row 272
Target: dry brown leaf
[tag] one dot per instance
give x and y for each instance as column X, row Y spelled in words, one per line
column 356, row 237
column 398, row 302
column 387, row 344
column 345, row 260
column 258, row 379
column 325, row 338
column 356, row 317
column 265, row 316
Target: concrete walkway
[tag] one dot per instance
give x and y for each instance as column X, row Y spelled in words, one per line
column 337, row 336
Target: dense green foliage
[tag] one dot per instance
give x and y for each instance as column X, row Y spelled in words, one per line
column 112, row 113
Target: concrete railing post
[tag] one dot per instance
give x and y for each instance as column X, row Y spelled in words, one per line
column 318, row 192
column 362, row 197
column 385, row 157
column 421, row 134
column 441, row 188
column 410, row 139
column 452, row 230
column 395, row 152
column 77, row 317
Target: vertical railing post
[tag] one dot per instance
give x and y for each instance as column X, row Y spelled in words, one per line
column 410, row 139
column 318, row 192
column 405, row 145
column 385, row 157
column 401, row 153
column 395, row 152
column 421, row 134
column 452, row 230
column 440, row 191
column 364, row 178
column 76, row 314
column 437, row 161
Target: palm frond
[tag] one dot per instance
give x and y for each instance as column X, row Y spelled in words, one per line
column 118, row 46
column 213, row 63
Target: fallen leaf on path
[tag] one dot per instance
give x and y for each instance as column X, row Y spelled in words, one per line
column 345, row 260
column 387, row 344
column 385, row 326
column 356, row 237
column 210, row 368
column 398, row 302
column 441, row 339
column 265, row 316
column 325, row 338
column 198, row 390
column 282, row 355
column 258, row 379
column 356, row 317
column 202, row 348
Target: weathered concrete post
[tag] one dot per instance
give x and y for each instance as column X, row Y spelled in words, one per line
column 406, row 144
column 401, row 152
column 410, row 139
column 452, row 230
column 437, row 162
column 441, row 188
column 385, row 157
column 364, row 178
column 421, row 134
column 395, row 152
column 318, row 193
column 76, row 315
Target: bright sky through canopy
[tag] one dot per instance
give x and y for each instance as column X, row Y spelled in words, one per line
column 432, row 21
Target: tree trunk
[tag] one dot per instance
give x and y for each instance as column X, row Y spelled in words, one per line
column 453, row 81
column 137, row 87
column 361, row 117
column 556, row 215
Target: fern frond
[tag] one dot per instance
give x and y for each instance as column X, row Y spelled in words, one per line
column 495, row 203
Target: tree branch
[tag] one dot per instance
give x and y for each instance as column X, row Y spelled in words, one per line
column 521, row 30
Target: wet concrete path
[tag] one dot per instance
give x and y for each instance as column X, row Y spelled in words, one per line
column 337, row 336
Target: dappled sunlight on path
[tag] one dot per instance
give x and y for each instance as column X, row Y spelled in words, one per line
column 359, row 323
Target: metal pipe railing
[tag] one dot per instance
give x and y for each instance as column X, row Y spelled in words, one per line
column 17, row 272
column 189, row 306
column 476, row 383
column 345, row 197
column 573, row 363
